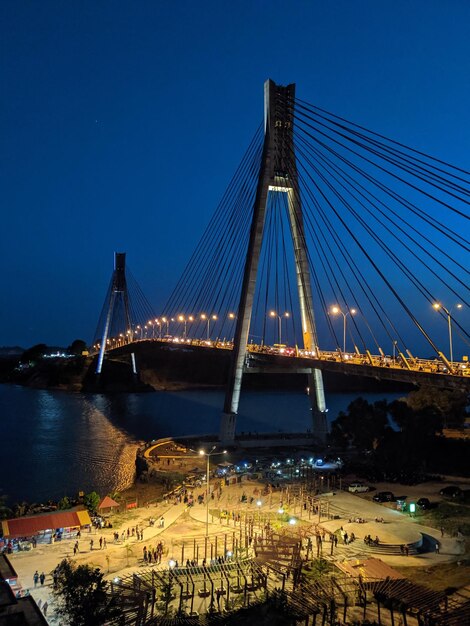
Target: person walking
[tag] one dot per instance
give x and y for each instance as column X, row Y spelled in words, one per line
column 91, row 544
column 42, row 578
column 36, row 578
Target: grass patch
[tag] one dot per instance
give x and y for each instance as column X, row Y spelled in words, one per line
column 124, row 518
column 440, row 577
column 452, row 516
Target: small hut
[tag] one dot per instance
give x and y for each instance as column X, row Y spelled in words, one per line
column 107, row 505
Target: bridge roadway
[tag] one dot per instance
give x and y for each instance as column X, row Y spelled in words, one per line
column 279, row 360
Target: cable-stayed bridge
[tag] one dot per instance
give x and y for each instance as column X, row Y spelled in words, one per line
column 333, row 247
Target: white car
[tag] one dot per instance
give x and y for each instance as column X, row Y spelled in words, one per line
column 358, row 488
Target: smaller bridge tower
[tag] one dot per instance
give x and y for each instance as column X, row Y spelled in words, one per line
column 118, row 295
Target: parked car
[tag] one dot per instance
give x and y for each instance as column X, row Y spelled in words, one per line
column 358, row 488
column 424, row 504
column 384, row 496
column 451, row 491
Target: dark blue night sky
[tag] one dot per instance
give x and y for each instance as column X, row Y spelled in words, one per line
column 122, row 123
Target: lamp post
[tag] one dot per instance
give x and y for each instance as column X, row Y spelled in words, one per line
column 279, row 317
column 438, row 306
column 181, row 318
column 166, row 321
column 232, row 317
column 208, row 318
column 336, row 310
column 208, row 457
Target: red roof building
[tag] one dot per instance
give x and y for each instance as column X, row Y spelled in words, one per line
column 33, row 524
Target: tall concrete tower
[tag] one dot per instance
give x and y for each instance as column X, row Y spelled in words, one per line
column 278, row 174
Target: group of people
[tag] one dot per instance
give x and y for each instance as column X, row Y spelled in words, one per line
column 102, row 541
column 134, row 531
column 153, row 555
column 39, row 578
column 371, row 542
column 346, row 537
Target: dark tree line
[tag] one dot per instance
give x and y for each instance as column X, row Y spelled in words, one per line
column 406, row 435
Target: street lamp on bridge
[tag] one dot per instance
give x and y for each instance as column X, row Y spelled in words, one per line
column 165, row 320
column 208, row 457
column 279, row 317
column 336, row 310
column 208, row 318
column 438, row 306
column 181, row 318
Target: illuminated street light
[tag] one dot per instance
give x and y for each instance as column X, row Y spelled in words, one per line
column 181, row 318
column 438, row 306
column 208, row 318
column 166, row 321
column 208, row 457
column 336, row 310
column 279, row 317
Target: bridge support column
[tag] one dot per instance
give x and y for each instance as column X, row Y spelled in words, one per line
column 316, row 395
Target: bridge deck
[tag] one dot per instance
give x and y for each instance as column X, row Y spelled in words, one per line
column 267, row 359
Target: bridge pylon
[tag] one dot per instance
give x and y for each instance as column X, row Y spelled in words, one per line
column 278, row 174
column 117, row 295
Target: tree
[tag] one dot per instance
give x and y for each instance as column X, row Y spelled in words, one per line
column 422, row 423
column 82, row 596
column 91, row 501
column 410, row 450
column 5, row 511
column 78, row 346
column 450, row 403
column 64, row 503
column 364, row 425
column 34, row 354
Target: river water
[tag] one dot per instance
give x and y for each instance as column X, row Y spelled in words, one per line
column 55, row 443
